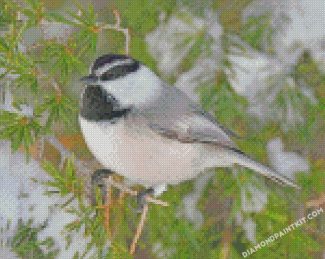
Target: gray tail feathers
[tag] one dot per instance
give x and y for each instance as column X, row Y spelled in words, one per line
column 245, row 161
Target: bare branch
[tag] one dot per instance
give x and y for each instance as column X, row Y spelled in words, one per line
column 139, row 228
column 117, row 27
column 316, row 202
column 117, row 17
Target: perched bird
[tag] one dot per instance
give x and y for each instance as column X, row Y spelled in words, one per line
column 149, row 132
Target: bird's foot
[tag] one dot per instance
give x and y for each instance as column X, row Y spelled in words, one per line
column 142, row 198
column 97, row 181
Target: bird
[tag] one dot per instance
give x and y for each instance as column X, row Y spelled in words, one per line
column 153, row 134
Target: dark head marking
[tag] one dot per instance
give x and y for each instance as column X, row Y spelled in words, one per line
column 107, row 59
column 112, row 66
column 98, row 105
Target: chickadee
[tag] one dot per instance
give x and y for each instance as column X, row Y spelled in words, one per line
column 151, row 133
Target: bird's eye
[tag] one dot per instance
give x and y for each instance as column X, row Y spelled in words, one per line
column 113, row 73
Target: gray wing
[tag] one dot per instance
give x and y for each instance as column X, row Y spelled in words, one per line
column 175, row 115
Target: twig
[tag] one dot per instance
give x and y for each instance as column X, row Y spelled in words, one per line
column 316, row 202
column 139, row 228
column 117, row 17
column 80, row 166
column 106, row 207
column 125, row 189
column 57, row 88
column 226, row 242
column 121, row 197
column 315, row 232
column 117, row 27
column 52, row 82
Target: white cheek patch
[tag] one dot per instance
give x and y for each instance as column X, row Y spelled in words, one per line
column 136, row 89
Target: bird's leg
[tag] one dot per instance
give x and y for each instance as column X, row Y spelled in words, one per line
column 141, row 198
column 97, row 180
column 152, row 191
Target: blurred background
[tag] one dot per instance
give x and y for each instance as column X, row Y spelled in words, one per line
column 257, row 65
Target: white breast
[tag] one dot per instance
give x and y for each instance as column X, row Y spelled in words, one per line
column 143, row 157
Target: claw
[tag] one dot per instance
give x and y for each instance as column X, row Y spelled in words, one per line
column 141, row 198
column 97, row 180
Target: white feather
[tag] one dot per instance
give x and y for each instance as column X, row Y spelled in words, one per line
column 136, row 89
column 144, row 158
column 109, row 66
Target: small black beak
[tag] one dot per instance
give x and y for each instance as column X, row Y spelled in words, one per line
column 89, row 80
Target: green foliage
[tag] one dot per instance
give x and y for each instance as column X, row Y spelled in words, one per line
column 35, row 12
column 53, row 64
column 17, row 63
column 257, row 32
column 87, row 36
column 21, row 130
column 307, row 70
column 93, row 226
column 142, row 16
column 230, row 13
column 296, row 244
column 7, row 12
column 201, row 42
column 65, row 182
column 313, row 183
column 62, row 59
column 59, row 108
column 176, row 235
column 26, row 244
column 26, row 69
column 293, row 96
column 222, row 100
column 90, row 219
column 309, row 135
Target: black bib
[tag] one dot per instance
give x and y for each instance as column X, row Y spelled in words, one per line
column 98, row 105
